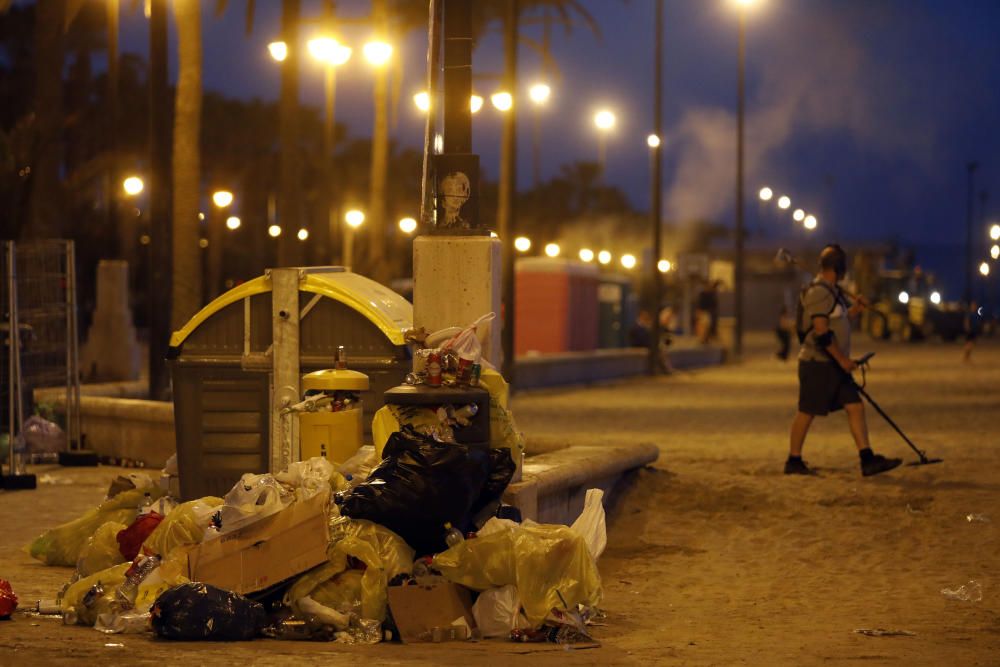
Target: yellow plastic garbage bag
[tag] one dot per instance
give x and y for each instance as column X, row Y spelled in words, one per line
column 101, row 550
column 184, row 525
column 78, row 600
column 62, row 545
column 384, row 554
column 549, row 564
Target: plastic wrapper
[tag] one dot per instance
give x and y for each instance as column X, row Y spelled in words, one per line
column 130, row 539
column 251, row 499
column 384, row 554
column 549, row 564
column 101, row 550
column 127, row 622
column 185, row 525
column 311, row 477
column 592, row 523
column 418, row 487
column 91, row 596
column 503, row 429
column 40, row 436
column 62, row 545
column 196, row 611
column 8, row 601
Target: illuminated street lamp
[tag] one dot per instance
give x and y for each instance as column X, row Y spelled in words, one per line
column 784, row 202
column 423, row 101
column 604, row 121
column 904, row 297
column 995, row 251
column 539, row 93
column 995, row 232
column 278, row 51
column 303, row 234
column 984, row 269
column 809, row 222
column 586, row 255
column 502, row 100
column 377, row 52
column 222, row 198
column 475, row 103
column 233, row 223
column 132, row 186
column 936, row 298
column 653, row 141
column 552, row 249
column 765, row 194
column 628, row 261
column 522, row 244
column 604, row 257
column 329, row 51
column 274, row 231
column 408, row 225
column 663, row 265
column 799, row 215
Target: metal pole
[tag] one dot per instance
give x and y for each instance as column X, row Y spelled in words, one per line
column 656, row 186
column 971, row 168
column 457, row 76
column 740, row 103
column 324, row 241
column 508, row 189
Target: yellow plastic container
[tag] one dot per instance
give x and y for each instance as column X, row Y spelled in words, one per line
column 335, row 436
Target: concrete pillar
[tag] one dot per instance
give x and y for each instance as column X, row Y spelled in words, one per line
column 111, row 352
column 456, row 279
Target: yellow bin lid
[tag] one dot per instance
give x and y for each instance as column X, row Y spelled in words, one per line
column 333, row 379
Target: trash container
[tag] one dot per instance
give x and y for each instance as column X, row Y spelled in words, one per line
column 238, row 363
column 333, row 430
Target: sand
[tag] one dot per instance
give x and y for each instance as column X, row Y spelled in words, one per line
column 714, row 556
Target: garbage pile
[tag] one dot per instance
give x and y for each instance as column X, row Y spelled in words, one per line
column 407, row 540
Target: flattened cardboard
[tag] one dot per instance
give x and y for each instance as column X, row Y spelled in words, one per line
column 264, row 553
column 420, row 608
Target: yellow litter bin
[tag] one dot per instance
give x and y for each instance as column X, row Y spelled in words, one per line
column 333, row 428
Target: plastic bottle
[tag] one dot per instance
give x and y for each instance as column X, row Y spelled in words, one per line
column 141, row 567
column 452, row 535
column 146, row 506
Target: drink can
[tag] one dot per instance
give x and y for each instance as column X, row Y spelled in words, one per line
column 434, row 370
column 475, row 373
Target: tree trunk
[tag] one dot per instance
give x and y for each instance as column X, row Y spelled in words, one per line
column 377, row 224
column 46, row 213
column 289, row 191
column 187, row 164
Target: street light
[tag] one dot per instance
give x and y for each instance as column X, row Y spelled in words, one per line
column 329, row 51
column 984, row 269
column 408, row 225
column 628, row 261
column 904, row 297
column 936, row 298
column 799, row 215
column 653, row 141
column 303, row 234
column 552, row 249
column 502, row 100
column 784, row 202
column 522, row 244
column 222, row 198
column 132, row 186
column 354, row 218
column 423, row 101
column 766, row 194
column 809, row 222
column 995, row 251
column 539, row 93
column 278, row 51
column 233, row 223
column 604, row 257
column 587, row 255
column 274, row 231
column 604, row 121
column 663, row 265
column 475, row 103
column 377, row 52
column 995, row 232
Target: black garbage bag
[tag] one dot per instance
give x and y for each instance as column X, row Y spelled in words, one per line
column 501, row 472
column 420, row 485
column 196, row 611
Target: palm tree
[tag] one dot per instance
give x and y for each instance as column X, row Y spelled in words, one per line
column 186, row 280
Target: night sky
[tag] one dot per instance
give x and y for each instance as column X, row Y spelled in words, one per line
column 864, row 112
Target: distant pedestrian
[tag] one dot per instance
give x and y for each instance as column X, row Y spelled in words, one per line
column 707, row 312
column 783, row 331
column 972, row 325
column 825, row 365
column 641, row 330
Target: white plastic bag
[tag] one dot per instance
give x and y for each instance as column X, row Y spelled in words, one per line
column 591, row 523
column 254, row 497
column 498, row 611
column 307, row 477
column 466, row 343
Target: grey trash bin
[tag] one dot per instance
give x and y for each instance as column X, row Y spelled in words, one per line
column 228, row 377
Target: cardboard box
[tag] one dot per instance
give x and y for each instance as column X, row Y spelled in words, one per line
column 266, row 552
column 420, row 608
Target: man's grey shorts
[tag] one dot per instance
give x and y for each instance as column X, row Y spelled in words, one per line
column 824, row 388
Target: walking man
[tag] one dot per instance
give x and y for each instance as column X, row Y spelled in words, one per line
column 825, row 365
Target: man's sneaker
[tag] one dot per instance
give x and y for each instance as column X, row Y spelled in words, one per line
column 877, row 464
column 797, row 467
